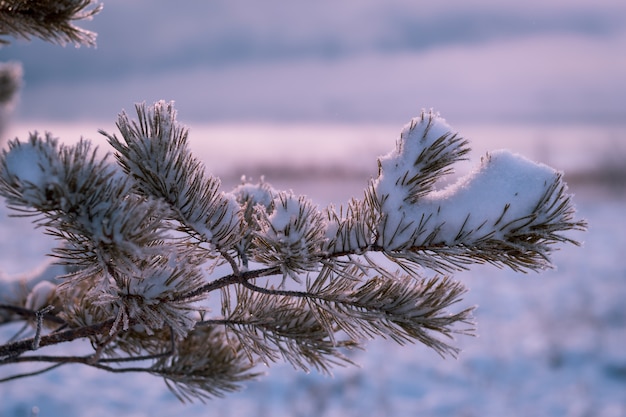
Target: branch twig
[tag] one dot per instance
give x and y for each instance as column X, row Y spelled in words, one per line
column 14, row 349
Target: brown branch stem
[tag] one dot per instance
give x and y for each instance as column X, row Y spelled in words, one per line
column 25, row 312
column 14, row 349
column 232, row 279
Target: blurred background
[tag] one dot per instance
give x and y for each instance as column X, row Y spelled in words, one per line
column 309, row 93
column 547, row 79
column 369, row 61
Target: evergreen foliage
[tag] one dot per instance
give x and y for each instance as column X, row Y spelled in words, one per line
column 163, row 272
column 50, row 20
column 151, row 244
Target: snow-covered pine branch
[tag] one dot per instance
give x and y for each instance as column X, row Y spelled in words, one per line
column 508, row 211
column 156, row 156
column 148, row 240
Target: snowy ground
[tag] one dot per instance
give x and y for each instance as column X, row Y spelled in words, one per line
column 549, row 344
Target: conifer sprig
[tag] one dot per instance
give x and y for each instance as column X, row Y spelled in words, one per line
column 50, row 20
column 149, row 240
column 156, row 155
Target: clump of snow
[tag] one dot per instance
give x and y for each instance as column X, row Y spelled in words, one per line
column 32, row 166
column 426, row 149
column 40, row 295
column 350, row 232
column 218, row 222
column 421, row 133
column 292, row 235
column 284, row 217
column 503, row 191
column 151, row 296
column 259, row 193
column 26, row 164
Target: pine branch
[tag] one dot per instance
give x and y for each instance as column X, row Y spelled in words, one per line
column 232, row 279
column 148, row 240
column 425, row 153
column 207, row 363
column 30, row 374
column 155, row 154
column 395, row 306
column 31, row 314
column 508, row 212
column 50, row 20
column 291, row 236
column 272, row 325
column 15, row 349
column 115, row 237
column 202, row 366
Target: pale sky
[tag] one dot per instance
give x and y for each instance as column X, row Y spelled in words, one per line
column 366, row 61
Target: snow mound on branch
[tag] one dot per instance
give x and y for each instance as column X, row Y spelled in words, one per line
column 40, row 295
column 505, row 194
column 503, row 179
column 32, row 166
